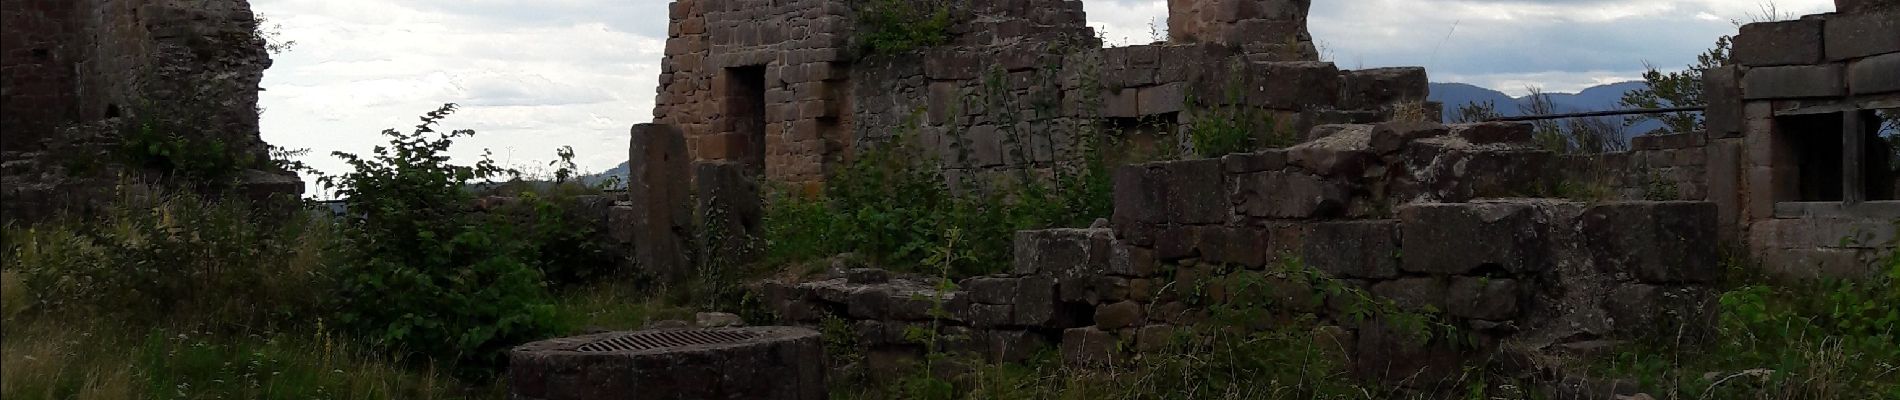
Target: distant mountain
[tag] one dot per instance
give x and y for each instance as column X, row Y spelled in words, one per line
column 1597, row 98
column 617, row 174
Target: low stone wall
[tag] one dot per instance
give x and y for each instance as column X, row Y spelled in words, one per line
column 1395, row 212
column 1656, row 167
column 1514, row 275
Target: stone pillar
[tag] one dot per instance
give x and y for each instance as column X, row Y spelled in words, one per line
column 660, row 214
column 730, row 210
column 1267, row 30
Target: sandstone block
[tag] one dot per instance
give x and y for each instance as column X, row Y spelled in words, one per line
column 1483, row 298
column 1656, row 242
column 1117, row 315
column 1289, row 195
column 1875, row 75
column 1794, row 82
column 1371, row 88
column 1088, row 346
column 1455, row 239
column 1856, row 35
column 1196, row 192
column 1414, row 293
column 1358, row 249
column 1265, row 160
column 1765, row 44
column 1391, row 136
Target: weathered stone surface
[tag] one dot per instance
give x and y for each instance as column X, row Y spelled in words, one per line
column 1456, row 239
column 1391, row 136
column 1493, row 132
column 1414, row 293
column 1035, row 301
column 1244, row 246
column 1280, row 194
column 1177, row 242
column 1855, row 35
column 1154, row 338
column 1794, row 82
column 775, row 363
column 1140, row 196
column 1764, row 44
column 1195, row 192
column 717, row 320
column 1863, row 6
column 1815, row 264
column 1483, row 298
column 1265, row 160
column 1128, row 260
column 1162, row 99
column 731, row 209
column 1875, row 75
column 1117, row 315
column 1395, row 355
column 1061, row 252
column 1722, row 89
column 1370, row 88
column 989, row 315
column 1638, row 310
column 1657, row 242
column 661, row 200
column 1358, row 249
column 1010, row 346
column 1088, row 346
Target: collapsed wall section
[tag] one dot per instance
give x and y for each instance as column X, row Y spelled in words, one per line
column 80, row 75
column 1392, row 212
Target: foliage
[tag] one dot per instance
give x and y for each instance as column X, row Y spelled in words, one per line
column 898, row 26
column 1477, row 112
column 1570, row 136
column 1804, row 340
column 165, row 147
column 1225, row 126
column 422, row 275
column 146, row 259
column 892, row 206
column 1676, row 89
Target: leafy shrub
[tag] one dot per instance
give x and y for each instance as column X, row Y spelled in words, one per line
column 173, row 258
column 897, row 26
column 164, row 147
column 891, row 205
column 1835, row 339
column 421, row 273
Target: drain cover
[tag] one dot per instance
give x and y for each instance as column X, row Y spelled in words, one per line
column 637, row 341
column 723, row 363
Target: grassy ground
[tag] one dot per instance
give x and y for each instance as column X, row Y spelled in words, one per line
column 56, row 357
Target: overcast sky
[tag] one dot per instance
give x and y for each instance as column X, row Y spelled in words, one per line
column 533, row 75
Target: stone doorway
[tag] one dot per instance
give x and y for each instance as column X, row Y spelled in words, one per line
column 745, row 114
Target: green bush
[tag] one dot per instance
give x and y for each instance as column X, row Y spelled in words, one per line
column 897, row 26
column 892, row 206
column 1829, row 339
column 423, row 275
column 173, row 258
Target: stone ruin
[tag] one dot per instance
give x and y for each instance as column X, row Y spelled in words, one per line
column 776, row 85
column 78, row 74
column 1460, row 218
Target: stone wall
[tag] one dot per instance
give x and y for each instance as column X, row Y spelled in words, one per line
column 1800, row 176
column 80, row 73
column 1656, row 167
column 1016, row 88
column 1395, row 210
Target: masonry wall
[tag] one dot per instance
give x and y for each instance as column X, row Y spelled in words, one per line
column 78, row 74
column 1017, row 89
column 1512, row 274
column 1795, row 81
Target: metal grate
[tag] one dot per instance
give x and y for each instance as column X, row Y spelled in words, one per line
column 663, row 339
